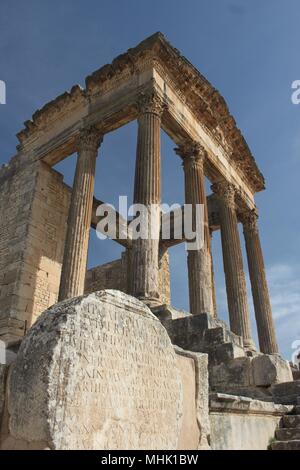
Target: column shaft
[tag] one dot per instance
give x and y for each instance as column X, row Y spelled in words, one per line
column 199, row 260
column 79, row 220
column 233, row 264
column 260, row 292
column 147, row 191
column 213, row 283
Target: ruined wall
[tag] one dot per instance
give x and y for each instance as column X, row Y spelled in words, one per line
column 33, row 206
column 17, row 184
column 45, row 241
column 241, row 423
column 107, row 276
column 113, row 275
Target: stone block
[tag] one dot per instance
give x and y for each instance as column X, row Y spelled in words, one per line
column 7, row 355
column 291, row 421
column 225, row 352
column 188, row 332
column 269, row 369
column 96, row 372
column 287, row 392
column 240, row 423
column 195, row 429
column 3, row 375
column 235, row 372
column 288, row 434
column 286, row 445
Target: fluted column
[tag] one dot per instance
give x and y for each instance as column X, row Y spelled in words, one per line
column 260, row 292
column 199, row 260
column 233, row 263
column 213, row 284
column 79, row 220
column 147, row 191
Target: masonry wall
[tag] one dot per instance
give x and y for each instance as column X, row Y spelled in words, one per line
column 17, row 184
column 114, row 275
column 45, row 242
column 241, row 423
column 33, row 207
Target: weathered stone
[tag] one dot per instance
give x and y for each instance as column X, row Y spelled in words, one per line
column 241, row 423
column 3, row 374
column 116, row 274
column 287, row 392
column 189, row 438
column 225, row 352
column 290, row 434
column 260, row 292
column 199, row 261
column 286, row 445
column 291, row 421
column 270, row 369
column 233, row 263
column 80, row 216
column 236, row 372
column 97, row 372
column 7, row 355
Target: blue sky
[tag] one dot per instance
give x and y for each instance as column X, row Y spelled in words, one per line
column 248, row 50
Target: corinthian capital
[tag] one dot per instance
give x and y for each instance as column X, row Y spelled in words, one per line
column 226, row 192
column 90, row 138
column 249, row 220
column 151, row 102
column 192, row 153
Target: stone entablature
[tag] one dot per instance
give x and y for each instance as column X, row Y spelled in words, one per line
column 194, row 108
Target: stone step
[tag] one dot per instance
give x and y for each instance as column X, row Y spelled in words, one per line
column 296, row 410
column 287, row 393
column 286, row 445
column 296, row 374
column 220, row 334
column 214, row 336
column 290, row 421
column 225, row 352
column 288, row 434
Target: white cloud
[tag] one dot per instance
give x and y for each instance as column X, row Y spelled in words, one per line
column 284, row 286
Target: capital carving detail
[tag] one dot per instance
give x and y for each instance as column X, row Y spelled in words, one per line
column 226, row 192
column 249, row 220
column 90, row 138
column 151, row 102
column 192, row 153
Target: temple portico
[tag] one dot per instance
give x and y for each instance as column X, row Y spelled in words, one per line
column 159, row 88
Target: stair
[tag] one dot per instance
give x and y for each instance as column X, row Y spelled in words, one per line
column 202, row 333
column 233, row 369
column 288, row 434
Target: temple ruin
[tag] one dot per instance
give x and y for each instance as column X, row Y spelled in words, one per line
column 45, row 228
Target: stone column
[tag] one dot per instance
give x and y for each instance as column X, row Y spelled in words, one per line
column 233, row 263
column 147, row 191
column 260, row 292
column 80, row 213
column 199, row 260
column 213, row 284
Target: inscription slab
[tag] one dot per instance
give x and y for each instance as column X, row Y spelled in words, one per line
column 97, row 372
